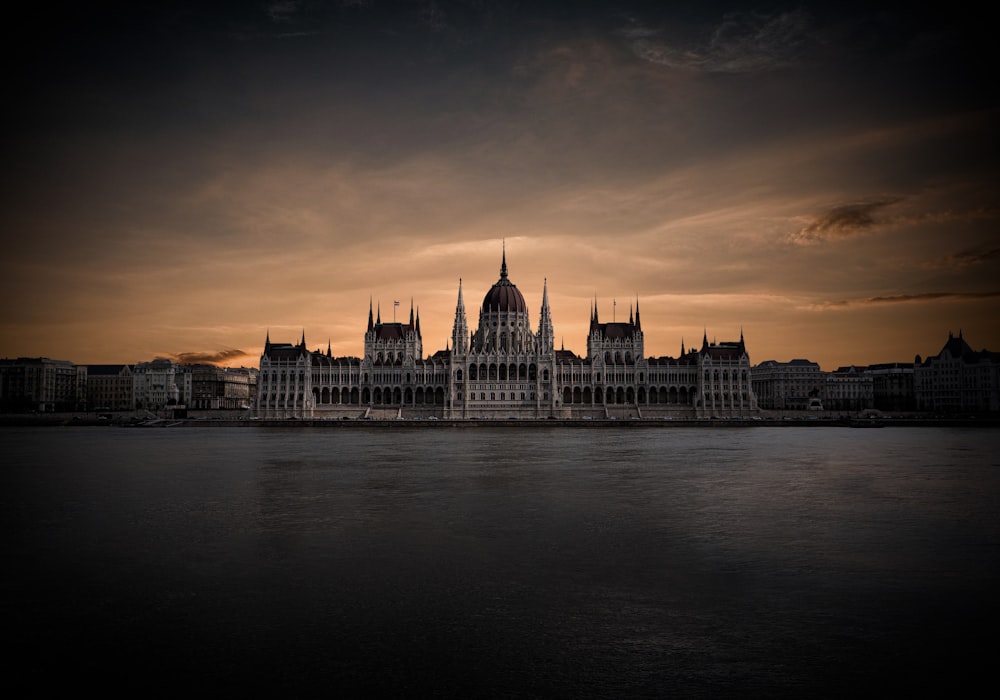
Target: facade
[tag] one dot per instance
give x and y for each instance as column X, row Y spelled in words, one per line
column 110, row 388
column 504, row 368
column 161, row 385
column 848, row 389
column 892, row 386
column 222, row 388
column 797, row 385
column 958, row 379
column 38, row 384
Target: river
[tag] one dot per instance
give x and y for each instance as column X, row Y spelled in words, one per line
column 502, row 562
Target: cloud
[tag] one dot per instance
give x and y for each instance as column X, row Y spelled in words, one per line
column 845, row 220
column 740, row 43
column 212, row 358
column 966, row 258
column 282, row 10
column 905, row 298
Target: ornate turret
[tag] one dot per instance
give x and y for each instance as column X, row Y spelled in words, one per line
column 460, row 329
column 546, row 333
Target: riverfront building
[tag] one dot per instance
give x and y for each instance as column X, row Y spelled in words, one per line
column 958, row 379
column 504, row 368
column 42, row 385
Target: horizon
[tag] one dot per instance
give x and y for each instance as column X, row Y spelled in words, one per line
column 183, row 179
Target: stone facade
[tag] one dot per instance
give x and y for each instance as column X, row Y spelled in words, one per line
column 504, row 369
column 43, row 385
column 110, row 388
column 797, row 385
column 958, row 379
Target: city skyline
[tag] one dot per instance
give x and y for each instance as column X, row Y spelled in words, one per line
column 182, row 180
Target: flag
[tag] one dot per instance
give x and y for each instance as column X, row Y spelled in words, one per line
column 395, row 303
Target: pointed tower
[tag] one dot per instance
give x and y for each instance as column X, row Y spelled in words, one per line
column 638, row 323
column 546, row 333
column 460, row 330
column 371, row 323
column 328, row 348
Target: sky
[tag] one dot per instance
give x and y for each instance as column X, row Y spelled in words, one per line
column 183, row 178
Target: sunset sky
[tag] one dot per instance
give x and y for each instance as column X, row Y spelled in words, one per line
column 181, row 178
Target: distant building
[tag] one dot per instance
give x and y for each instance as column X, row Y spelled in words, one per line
column 892, row 386
column 504, row 369
column 40, row 384
column 958, row 379
column 110, row 388
column 225, row 388
column 848, row 389
column 161, row 385
column 788, row 386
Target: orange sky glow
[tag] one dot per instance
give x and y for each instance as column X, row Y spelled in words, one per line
column 801, row 174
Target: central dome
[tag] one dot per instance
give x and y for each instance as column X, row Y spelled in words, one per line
column 504, row 296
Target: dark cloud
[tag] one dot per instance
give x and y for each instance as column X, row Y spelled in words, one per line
column 908, row 298
column 740, row 43
column 211, row 358
column 845, row 220
column 969, row 257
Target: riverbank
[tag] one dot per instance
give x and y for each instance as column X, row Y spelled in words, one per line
column 56, row 420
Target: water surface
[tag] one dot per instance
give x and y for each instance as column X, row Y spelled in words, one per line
column 543, row 562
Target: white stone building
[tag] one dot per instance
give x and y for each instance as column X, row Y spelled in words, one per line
column 958, row 379
column 504, row 369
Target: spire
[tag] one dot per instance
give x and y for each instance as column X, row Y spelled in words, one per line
column 303, row 341
column 638, row 324
column 411, row 312
column 503, row 264
column 460, row 329
column 378, row 312
column 630, row 319
column 328, row 353
column 370, row 324
column 546, row 333
column 595, row 308
column 704, row 340
column 683, row 352
column 418, row 320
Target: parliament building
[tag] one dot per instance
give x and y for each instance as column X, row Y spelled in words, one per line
column 504, row 369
